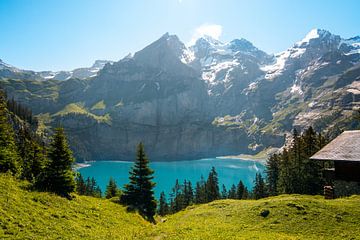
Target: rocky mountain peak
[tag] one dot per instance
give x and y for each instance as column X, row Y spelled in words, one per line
column 318, row 36
column 99, row 64
column 241, row 45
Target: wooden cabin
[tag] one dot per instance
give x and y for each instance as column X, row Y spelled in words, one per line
column 344, row 151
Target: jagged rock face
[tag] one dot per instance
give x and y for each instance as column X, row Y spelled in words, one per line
column 209, row 99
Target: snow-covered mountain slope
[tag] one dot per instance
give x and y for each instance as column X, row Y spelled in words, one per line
column 9, row 71
column 81, row 73
column 315, row 44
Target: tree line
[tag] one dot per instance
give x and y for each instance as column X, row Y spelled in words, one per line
column 292, row 171
column 22, row 154
column 184, row 195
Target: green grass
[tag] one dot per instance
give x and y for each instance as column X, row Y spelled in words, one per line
column 34, row 215
column 72, row 108
column 79, row 108
column 99, row 105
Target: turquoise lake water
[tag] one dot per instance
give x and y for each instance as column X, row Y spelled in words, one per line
column 229, row 171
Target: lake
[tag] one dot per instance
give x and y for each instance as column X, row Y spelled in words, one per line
column 230, row 171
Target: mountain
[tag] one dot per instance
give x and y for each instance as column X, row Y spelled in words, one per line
column 209, row 99
column 8, row 71
column 81, row 73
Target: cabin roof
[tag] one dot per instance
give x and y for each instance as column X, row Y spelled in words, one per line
column 345, row 147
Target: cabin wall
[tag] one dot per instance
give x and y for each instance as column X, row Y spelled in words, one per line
column 347, row 171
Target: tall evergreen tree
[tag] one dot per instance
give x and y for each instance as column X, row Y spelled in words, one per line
column 178, row 197
column 240, row 190
column 259, row 188
column 163, row 206
column 295, row 172
column 33, row 159
column 9, row 157
column 232, row 192
column 80, row 184
column 111, row 189
column 139, row 193
column 200, row 194
column 272, row 173
column 286, row 166
column 245, row 193
column 212, row 186
column 188, row 193
column 59, row 176
column 224, row 193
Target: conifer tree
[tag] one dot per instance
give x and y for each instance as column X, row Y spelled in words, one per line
column 33, row 161
column 224, row 193
column 111, row 189
column 59, row 176
column 178, row 197
column 285, row 183
column 200, row 194
column 9, row 157
column 98, row 192
column 139, row 193
column 240, row 190
column 212, row 186
column 80, row 184
column 272, row 173
column 232, row 192
column 245, row 194
column 259, row 188
column 188, row 193
column 163, row 206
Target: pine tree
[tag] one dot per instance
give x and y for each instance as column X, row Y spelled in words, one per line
column 232, row 192
column 224, row 193
column 163, row 206
column 240, row 190
column 98, row 192
column 178, row 197
column 80, row 184
column 259, row 188
column 272, row 173
column 200, row 195
column 59, row 176
column 212, row 186
column 245, row 194
column 188, row 193
column 285, row 183
column 88, row 186
column 139, row 193
column 9, row 157
column 295, row 172
column 111, row 189
column 33, row 160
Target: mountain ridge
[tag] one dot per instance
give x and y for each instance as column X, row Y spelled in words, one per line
column 209, row 99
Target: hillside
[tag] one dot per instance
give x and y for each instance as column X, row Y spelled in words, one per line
column 34, row 215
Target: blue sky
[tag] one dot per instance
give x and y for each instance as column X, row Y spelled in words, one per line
column 66, row 34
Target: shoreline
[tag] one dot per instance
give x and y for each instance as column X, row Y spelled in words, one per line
column 81, row 165
column 245, row 157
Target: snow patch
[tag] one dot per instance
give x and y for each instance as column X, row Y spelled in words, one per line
column 277, row 68
column 157, row 85
column 142, row 87
column 296, row 89
column 313, row 34
column 211, row 72
column 187, row 56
